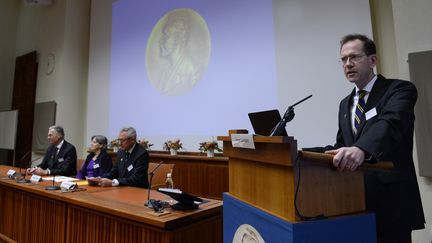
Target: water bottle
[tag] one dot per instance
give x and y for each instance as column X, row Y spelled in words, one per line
column 169, row 182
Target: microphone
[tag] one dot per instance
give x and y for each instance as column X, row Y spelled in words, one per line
column 149, row 202
column 20, row 174
column 53, row 187
column 288, row 116
column 24, row 180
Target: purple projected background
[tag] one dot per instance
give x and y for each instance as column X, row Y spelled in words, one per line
column 240, row 78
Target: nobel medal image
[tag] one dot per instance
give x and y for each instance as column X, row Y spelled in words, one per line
column 178, row 52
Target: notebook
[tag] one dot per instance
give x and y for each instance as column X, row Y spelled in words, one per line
column 264, row 121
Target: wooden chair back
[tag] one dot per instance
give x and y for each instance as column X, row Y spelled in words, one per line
column 159, row 175
column 79, row 164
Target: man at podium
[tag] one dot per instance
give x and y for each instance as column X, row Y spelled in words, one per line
column 376, row 123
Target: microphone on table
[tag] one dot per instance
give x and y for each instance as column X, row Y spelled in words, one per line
column 52, row 187
column 149, row 202
column 18, row 176
column 288, row 116
column 24, row 180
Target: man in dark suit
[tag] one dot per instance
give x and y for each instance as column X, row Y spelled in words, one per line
column 131, row 164
column 60, row 157
column 376, row 123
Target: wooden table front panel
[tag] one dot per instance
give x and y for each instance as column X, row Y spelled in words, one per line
column 29, row 213
column 90, row 226
column 26, row 217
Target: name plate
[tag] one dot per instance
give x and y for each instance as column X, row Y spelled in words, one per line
column 242, row 141
column 68, row 185
column 35, row 179
column 10, row 173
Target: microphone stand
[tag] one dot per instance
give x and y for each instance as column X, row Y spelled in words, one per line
column 148, row 203
column 288, row 116
column 18, row 176
column 53, row 187
column 24, row 180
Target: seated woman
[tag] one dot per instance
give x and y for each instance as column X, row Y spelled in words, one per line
column 98, row 162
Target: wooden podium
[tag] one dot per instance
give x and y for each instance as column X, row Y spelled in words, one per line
column 267, row 177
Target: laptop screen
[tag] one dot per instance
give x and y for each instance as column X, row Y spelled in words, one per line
column 264, row 121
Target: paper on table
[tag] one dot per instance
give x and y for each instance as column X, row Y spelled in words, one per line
column 82, row 183
column 60, row 178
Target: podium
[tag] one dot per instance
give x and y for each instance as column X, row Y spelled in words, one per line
column 278, row 180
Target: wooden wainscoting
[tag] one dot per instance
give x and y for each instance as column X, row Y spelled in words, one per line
column 195, row 173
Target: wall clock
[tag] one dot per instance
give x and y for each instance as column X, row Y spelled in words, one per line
column 50, row 64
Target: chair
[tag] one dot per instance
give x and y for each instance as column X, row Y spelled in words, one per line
column 159, row 175
column 79, row 164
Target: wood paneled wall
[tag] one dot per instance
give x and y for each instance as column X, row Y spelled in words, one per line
column 198, row 175
column 195, row 173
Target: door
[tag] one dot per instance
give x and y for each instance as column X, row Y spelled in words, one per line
column 24, row 94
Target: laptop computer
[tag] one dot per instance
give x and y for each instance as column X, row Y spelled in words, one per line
column 264, row 121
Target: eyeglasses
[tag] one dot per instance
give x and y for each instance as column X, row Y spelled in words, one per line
column 121, row 140
column 352, row 58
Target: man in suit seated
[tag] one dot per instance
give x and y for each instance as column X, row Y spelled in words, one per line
column 131, row 164
column 60, row 157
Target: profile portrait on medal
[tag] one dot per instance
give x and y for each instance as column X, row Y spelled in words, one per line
column 178, row 52
column 246, row 233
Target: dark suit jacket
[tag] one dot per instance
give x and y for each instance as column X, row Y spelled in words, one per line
column 394, row 196
column 104, row 161
column 132, row 172
column 61, row 163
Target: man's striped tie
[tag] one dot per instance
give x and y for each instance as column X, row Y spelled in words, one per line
column 359, row 116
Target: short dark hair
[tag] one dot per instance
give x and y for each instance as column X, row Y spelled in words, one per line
column 368, row 44
column 102, row 140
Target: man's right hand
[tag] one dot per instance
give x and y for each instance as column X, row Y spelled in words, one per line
column 347, row 158
column 31, row 170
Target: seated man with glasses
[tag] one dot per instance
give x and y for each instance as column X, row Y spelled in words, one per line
column 131, row 164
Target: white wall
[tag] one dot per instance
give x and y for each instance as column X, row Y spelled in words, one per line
column 383, row 25
column 413, row 33
column 72, row 103
column 8, row 30
column 63, row 30
column 307, row 36
column 99, row 66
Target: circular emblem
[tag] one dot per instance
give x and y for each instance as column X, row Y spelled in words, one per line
column 178, row 52
column 246, row 233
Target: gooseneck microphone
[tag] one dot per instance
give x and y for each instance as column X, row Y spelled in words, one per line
column 148, row 203
column 288, row 116
column 52, row 187
column 24, row 180
column 19, row 175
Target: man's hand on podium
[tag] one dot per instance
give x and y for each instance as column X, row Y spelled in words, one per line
column 347, row 158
